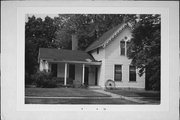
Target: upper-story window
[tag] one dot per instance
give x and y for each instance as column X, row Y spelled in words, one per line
column 124, row 44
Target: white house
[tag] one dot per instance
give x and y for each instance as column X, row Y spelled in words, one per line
column 104, row 59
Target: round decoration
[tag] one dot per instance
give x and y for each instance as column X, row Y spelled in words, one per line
column 110, row 84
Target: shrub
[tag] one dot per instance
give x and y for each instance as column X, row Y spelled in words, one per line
column 60, row 82
column 83, row 86
column 44, row 79
column 28, row 79
column 49, row 83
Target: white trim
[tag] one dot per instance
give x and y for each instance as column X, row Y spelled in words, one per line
column 65, row 74
column 121, row 72
column 78, row 62
column 125, row 47
column 83, row 71
column 120, row 29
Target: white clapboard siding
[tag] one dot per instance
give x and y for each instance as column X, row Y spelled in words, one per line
column 111, row 56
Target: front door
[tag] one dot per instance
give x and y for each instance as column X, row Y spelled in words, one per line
column 54, row 70
column 72, row 71
column 86, row 76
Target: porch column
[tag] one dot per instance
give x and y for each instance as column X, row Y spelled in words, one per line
column 46, row 66
column 65, row 74
column 83, row 73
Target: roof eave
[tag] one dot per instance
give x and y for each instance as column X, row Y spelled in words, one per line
column 77, row 62
column 106, row 42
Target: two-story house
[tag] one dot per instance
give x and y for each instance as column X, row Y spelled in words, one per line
column 104, row 59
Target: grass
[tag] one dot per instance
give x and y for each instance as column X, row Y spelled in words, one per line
column 88, row 96
column 150, row 96
column 97, row 98
column 135, row 93
column 77, row 101
column 62, row 92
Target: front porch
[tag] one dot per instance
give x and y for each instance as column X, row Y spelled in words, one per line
column 73, row 72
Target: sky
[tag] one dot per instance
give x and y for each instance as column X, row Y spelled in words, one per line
column 40, row 15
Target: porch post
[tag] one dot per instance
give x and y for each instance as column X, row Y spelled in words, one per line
column 65, row 74
column 83, row 74
column 46, row 66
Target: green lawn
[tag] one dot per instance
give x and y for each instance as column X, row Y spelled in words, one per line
column 62, row 92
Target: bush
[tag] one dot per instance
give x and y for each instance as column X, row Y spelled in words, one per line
column 44, row 79
column 28, row 79
column 49, row 83
column 60, row 82
column 83, row 86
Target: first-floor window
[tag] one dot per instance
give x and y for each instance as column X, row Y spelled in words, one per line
column 118, row 73
column 132, row 73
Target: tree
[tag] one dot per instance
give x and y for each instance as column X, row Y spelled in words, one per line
column 144, row 49
column 87, row 27
column 38, row 33
column 56, row 33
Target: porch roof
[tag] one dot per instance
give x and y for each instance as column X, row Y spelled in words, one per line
column 69, row 56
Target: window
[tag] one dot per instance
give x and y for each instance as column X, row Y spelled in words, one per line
column 97, row 50
column 127, row 47
column 127, row 44
column 132, row 73
column 122, row 47
column 118, row 73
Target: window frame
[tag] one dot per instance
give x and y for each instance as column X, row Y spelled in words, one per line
column 123, row 48
column 126, row 46
column 134, row 74
column 120, row 79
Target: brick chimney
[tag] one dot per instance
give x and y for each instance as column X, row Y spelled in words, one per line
column 74, row 42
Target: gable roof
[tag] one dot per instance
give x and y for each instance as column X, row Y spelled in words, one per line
column 108, row 36
column 64, row 55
